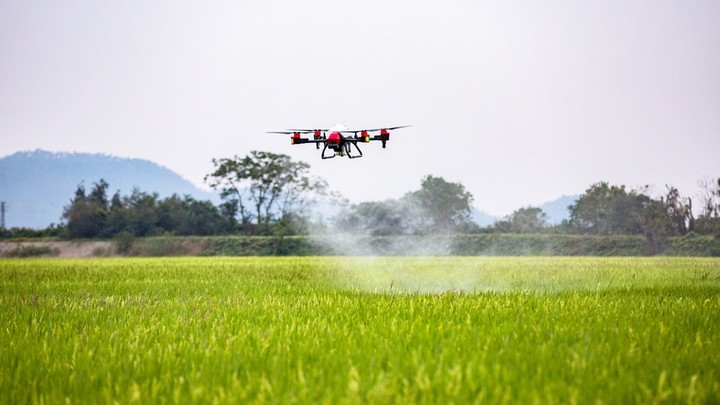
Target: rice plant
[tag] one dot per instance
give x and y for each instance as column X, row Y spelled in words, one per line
column 360, row 330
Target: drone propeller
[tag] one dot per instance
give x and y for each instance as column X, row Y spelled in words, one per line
column 319, row 136
column 293, row 131
column 304, row 131
column 353, row 131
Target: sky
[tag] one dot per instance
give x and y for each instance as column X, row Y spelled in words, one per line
column 520, row 101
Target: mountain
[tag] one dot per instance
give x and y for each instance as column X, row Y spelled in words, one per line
column 37, row 185
column 557, row 210
column 482, row 218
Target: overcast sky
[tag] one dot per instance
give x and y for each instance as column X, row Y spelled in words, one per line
column 520, row 101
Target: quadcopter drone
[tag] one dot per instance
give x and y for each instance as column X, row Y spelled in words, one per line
column 341, row 140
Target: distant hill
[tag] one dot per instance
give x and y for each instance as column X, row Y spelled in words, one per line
column 37, row 185
column 482, row 218
column 557, row 210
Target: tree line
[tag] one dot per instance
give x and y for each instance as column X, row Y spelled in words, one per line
column 603, row 209
column 270, row 194
column 92, row 214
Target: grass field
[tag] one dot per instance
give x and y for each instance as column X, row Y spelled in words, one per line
column 357, row 330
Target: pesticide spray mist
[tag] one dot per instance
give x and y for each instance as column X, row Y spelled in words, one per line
column 405, row 262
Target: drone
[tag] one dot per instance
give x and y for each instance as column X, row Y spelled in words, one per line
column 341, row 140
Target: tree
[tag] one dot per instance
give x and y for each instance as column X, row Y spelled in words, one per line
column 378, row 218
column 143, row 215
column 656, row 224
column 524, row 220
column 172, row 214
column 188, row 216
column 679, row 210
column 605, row 209
column 87, row 214
column 441, row 206
column 118, row 217
column 710, row 197
column 708, row 222
column 264, row 186
column 438, row 207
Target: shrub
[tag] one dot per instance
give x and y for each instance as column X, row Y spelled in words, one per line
column 32, row 251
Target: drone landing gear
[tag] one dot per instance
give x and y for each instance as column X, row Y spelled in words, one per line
column 324, row 156
column 348, row 148
column 342, row 150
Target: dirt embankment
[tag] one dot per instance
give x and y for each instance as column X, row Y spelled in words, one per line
column 57, row 249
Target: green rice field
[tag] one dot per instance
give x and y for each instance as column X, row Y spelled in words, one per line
column 360, row 330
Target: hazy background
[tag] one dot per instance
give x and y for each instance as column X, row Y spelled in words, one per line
column 521, row 101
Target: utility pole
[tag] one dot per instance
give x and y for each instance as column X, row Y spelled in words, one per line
column 2, row 214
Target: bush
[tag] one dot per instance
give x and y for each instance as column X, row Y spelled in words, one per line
column 123, row 242
column 433, row 245
column 548, row 245
column 693, row 244
column 23, row 251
